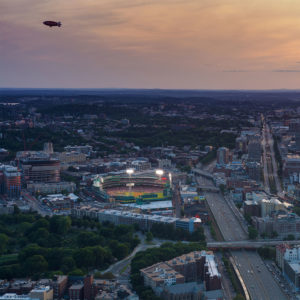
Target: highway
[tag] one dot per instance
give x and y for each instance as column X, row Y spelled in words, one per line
column 258, row 279
column 270, row 141
column 227, row 222
column 269, row 161
column 266, row 175
column 260, row 284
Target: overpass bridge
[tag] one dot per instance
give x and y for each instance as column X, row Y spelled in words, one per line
column 209, row 188
column 202, row 173
column 248, row 244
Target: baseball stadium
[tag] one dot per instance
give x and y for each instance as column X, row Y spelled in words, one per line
column 140, row 187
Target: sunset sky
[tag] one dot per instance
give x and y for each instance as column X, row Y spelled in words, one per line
column 183, row 44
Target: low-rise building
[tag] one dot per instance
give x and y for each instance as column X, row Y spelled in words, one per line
column 71, row 157
column 118, row 217
column 51, row 187
column 292, row 273
column 59, row 285
column 188, row 224
column 252, row 208
column 13, row 296
column 282, row 224
column 59, row 202
column 42, row 293
column 76, row 292
column 161, row 274
column 291, row 264
column 280, row 251
column 87, row 149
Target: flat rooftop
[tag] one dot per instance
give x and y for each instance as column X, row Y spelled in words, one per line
column 152, row 205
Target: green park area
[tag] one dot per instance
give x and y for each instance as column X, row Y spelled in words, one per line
column 31, row 245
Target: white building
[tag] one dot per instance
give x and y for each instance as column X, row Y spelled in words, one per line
column 12, row 296
column 270, row 205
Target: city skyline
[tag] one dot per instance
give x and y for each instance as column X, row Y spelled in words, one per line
column 158, row 44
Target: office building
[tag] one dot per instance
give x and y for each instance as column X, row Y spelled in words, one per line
column 268, row 206
column 48, row 148
column 282, row 224
column 87, row 149
column 11, row 180
column 241, row 144
column 40, row 168
column 254, row 170
column 294, row 129
column 254, row 149
column 291, row 169
column 223, row 156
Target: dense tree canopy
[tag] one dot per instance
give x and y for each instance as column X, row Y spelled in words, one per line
column 31, row 244
column 167, row 231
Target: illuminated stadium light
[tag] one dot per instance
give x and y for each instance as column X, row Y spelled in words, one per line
column 159, row 172
column 129, row 171
column 170, row 179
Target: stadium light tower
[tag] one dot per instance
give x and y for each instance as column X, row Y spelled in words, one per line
column 129, row 172
column 170, row 179
column 130, row 184
column 159, row 173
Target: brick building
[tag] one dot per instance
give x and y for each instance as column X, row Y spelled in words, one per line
column 76, row 292
column 197, row 266
column 59, row 286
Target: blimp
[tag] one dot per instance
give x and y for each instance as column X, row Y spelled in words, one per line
column 52, row 23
